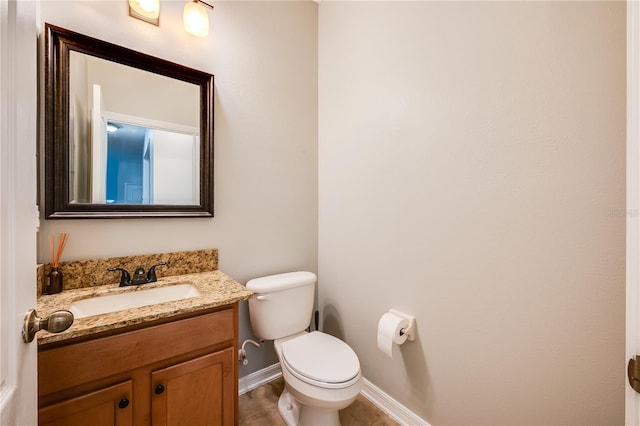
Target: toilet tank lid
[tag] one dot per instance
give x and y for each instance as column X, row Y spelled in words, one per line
column 281, row 282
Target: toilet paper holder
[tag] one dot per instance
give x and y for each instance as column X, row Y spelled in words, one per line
column 410, row 330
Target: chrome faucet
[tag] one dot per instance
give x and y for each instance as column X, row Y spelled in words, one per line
column 139, row 276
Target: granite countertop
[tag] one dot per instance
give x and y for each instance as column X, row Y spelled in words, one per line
column 216, row 289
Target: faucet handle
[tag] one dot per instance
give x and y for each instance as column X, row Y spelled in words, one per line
column 151, row 275
column 125, row 278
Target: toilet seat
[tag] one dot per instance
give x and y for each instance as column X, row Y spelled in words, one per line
column 321, row 360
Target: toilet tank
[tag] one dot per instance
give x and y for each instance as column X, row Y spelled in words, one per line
column 282, row 304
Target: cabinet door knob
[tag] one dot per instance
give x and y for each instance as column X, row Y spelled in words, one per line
column 159, row 389
column 124, row 403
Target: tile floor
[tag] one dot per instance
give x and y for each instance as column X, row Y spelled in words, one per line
column 259, row 407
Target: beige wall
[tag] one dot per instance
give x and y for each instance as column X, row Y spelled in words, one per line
column 264, row 58
column 472, row 173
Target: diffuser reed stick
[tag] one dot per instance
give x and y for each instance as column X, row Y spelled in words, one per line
column 57, row 254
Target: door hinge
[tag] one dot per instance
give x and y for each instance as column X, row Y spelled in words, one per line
column 633, row 372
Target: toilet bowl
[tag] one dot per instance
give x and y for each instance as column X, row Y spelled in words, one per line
column 321, row 372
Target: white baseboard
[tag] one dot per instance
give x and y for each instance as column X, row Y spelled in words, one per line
column 390, row 406
column 258, row 378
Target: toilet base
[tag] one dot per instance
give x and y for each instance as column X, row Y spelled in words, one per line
column 296, row 414
column 289, row 408
column 316, row 416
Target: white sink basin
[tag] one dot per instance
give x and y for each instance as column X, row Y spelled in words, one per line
column 133, row 299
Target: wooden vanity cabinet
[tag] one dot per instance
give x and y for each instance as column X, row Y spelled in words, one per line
column 191, row 392
column 180, row 372
column 105, row 407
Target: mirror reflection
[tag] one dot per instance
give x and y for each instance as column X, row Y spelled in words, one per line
column 133, row 135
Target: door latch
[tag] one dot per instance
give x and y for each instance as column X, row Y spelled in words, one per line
column 55, row 323
column 633, row 372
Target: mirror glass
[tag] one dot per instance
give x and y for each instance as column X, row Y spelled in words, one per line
column 135, row 135
column 127, row 135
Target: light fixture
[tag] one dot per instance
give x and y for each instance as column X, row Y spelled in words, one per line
column 196, row 19
column 112, row 127
column 147, row 10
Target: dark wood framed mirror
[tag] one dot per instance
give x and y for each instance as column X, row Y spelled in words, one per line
column 127, row 135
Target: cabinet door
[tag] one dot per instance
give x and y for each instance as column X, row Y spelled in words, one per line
column 195, row 392
column 105, row 407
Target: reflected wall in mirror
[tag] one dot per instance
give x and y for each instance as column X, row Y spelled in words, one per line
column 127, row 134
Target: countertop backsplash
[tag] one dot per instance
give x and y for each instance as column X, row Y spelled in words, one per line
column 93, row 272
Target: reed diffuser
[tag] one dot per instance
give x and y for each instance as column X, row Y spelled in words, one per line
column 54, row 277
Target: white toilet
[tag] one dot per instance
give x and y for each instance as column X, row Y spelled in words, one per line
column 321, row 373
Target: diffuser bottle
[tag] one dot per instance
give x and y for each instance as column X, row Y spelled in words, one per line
column 54, row 281
column 54, row 277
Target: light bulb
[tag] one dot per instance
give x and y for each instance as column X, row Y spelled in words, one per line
column 196, row 20
column 148, row 5
column 147, row 10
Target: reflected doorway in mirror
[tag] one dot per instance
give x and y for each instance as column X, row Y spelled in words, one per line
column 150, row 165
